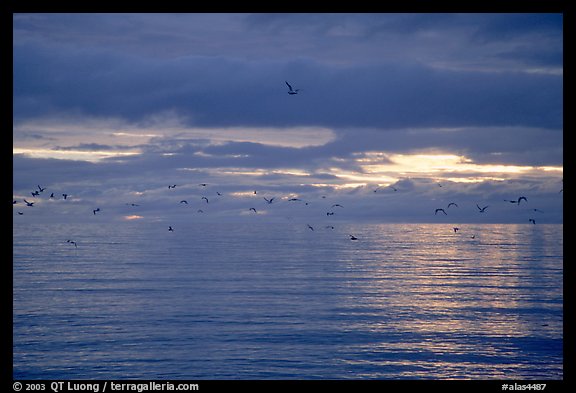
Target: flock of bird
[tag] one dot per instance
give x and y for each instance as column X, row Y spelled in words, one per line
column 331, row 211
column 270, row 200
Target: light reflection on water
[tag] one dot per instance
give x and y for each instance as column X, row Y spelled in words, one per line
column 238, row 301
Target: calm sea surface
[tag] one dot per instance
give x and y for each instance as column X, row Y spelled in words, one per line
column 280, row 301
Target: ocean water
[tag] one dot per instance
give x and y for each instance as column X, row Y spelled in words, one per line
column 280, row 301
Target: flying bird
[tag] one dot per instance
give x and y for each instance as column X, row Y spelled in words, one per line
column 96, row 210
column 173, row 186
column 253, row 209
column 269, row 200
column 452, row 204
column 72, row 242
column 294, row 199
column 291, row 91
column 533, row 221
column 41, row 189
column 203, row 184
column 184, row 201
column 440, row 210
column 456, row 229
column 352, row 237
column 521, row 198
column 65, row 196
column 337, row 205
column 30, row 204
column 329, row 213
column 170, row 229
column 52, row 195
column 35, row 193
column 20, row 213
column 205, row 199
column 310, row 227
column 481, row 209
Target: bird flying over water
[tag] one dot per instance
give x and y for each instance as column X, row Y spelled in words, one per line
column 31, row 204
column 352, row 237
column 269, row 200
column 205, row 199
column 520, row 199
column 96, row 210
column 533, row 221
column 184, row 201
column 291, row 91
column 310, row 227
column 452, row 204
column 481, row 209
column 72, row 242
column 440, row 210
column 170, row 229
column 253, row 209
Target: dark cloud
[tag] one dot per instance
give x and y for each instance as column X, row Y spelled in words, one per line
column 224, row 92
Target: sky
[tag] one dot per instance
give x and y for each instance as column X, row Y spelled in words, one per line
column 397, row 115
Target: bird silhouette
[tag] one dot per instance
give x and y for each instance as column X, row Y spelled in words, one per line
column 41, row 189
column 253, row 209
column 269, row 200
column 452, row 204
column 72, row 242
column 352, row 237
column 65, row 196
column 481, row 209
column 96, row 210
column 292, row 91
column 170, row 229
column 440, row 210
column 184, row 201
column 456, row 229
column 310, row 227
column 206, row 199
column 533, row 221
column 30, row 204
